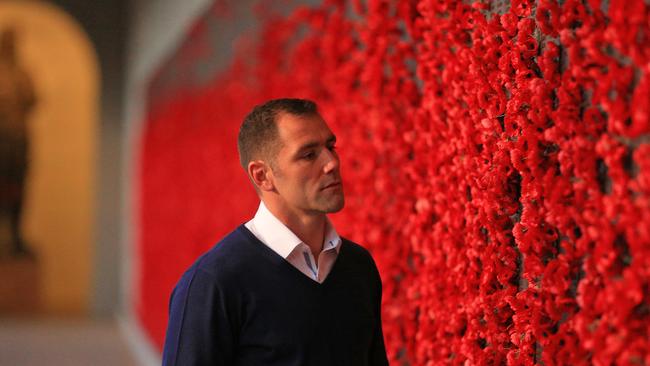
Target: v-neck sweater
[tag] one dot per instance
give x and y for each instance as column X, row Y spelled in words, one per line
column 243, row 304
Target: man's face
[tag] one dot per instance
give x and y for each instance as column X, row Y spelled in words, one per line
column 306, row 168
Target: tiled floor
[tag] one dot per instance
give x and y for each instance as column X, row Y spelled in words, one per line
column 62, row 343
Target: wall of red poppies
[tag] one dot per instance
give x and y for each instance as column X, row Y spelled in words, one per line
column 496, row 161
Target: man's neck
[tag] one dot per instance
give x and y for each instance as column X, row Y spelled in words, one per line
column 310, row 228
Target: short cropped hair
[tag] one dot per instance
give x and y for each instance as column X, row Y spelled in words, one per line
column 258, row 133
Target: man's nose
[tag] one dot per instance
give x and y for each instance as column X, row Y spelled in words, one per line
column 331, row 161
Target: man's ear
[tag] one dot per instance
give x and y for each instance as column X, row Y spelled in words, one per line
column 261, row 176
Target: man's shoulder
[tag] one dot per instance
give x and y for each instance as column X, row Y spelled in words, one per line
column 358, row 252
column 361, row 261
column 356, row 248
column 225, row 258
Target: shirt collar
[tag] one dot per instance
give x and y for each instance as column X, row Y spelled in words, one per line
column 281, row 239
column 332, row 238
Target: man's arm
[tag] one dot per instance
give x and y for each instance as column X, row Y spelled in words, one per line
column 200, row 329
column 377, row 348
column 377, row 355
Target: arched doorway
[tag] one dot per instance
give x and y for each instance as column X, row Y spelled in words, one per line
column 59, row 205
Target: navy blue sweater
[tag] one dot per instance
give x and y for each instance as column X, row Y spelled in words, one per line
column 243, row 304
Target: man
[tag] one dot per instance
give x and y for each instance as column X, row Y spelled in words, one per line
column 284, row 288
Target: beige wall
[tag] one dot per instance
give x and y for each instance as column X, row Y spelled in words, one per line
column 59, row 210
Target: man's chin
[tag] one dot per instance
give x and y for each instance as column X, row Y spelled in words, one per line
column 336, row 206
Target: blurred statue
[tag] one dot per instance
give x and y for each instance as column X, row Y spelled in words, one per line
column 17, row 99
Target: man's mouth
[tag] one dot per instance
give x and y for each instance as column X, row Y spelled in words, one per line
column 332, row 185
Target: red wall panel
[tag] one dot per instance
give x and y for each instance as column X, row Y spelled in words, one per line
column 496, row 161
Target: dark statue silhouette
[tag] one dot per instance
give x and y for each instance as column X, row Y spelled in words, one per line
column 17, row 99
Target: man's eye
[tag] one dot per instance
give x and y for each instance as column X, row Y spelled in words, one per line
column 309, row 156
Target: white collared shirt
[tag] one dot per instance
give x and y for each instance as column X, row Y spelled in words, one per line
column 272, row 232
